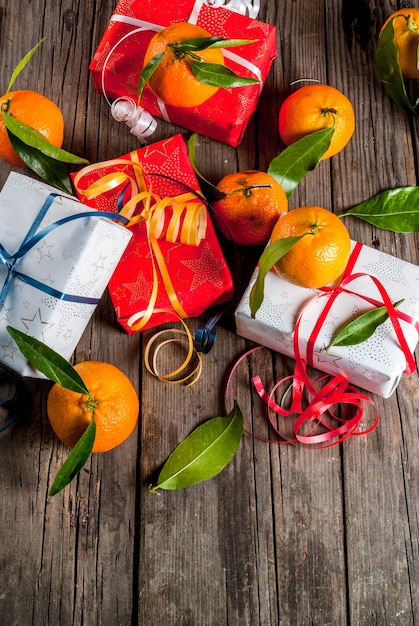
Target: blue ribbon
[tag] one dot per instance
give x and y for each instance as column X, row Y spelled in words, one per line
column 31, row 239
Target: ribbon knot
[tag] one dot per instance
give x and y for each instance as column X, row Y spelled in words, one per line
column 34, row 236
column 329, row 428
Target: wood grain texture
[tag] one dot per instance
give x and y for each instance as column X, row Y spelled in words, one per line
column 284, row 536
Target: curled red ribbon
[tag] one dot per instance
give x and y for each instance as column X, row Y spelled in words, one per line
column 315, row 423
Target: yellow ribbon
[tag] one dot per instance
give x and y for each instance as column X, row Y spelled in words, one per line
column 193, row 359
column 191, row 230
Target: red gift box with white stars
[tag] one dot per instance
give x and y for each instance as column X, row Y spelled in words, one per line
column 118, row 60
column 197, row 274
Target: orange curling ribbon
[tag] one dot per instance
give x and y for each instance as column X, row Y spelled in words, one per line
column 192, row 361
column 187, row 222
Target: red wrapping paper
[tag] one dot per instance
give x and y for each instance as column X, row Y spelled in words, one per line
column 117, row 63
column 199, row 273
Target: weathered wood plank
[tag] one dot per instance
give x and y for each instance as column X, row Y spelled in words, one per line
column 284, row 535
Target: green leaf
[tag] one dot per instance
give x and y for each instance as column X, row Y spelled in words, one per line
column 202, row 43
column 396, row 210
column 147, row 72
column 48, row 362
column 271, row 255
column 48, row 169
column 293, row 163
column 217, row 75
column 76, row 460
column 212, row 193
column 33, row 138
column 388, row 70
column 204, row 453
column 362, row 328
column 22, row 64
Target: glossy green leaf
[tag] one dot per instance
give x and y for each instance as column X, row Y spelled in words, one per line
column 388, row 70
column 31, row 137
column 76, row 460
column 396, row 210
column 217, row 75
column 147, row 72
column 204, row 453
column 22, row 64
column 362, row 328
column 202, row 43
column 271, row 255
column 47, row 361
column 211, row 192
column 293, row 163
column 48, row 169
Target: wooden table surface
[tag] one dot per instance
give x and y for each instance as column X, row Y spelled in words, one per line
column 285, row 534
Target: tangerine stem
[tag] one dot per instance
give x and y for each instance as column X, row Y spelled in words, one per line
column 91, row 405
column 246, row 189
column 329, row 110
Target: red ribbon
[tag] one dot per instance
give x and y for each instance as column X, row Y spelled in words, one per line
column 317, row 415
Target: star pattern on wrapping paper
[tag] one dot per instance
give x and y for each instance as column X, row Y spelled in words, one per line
column 206, row 269
column 68, row 335
column 99, row 264
column 119, row 293
column 132, row 81
column 48, row 280
column 9, row 350
column 44, row 250
column 36, row 320
column 328, row 358
column 136, row 249
column 256, row 25
column 125, row 8
column 246, row 108
column 160, row 148
column 272, row 315
column 172, row 249
column 261, row 52
column 4, row 314
column 101, row 57
column 140, row 289
column 387, row 268
column 279, row 336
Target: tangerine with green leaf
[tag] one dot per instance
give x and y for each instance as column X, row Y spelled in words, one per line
column 406, row 40
column 320, row 257
column 252, row 204
column 173, row 80
column 112, row 400
column 34, row 110
column 314, row 107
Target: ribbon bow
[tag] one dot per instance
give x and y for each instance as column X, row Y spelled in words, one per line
column 182, row 218
column 309, row 402
column 32, row 238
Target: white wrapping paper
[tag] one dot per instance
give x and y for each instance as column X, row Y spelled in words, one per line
column 375, row 365
column 77, row 259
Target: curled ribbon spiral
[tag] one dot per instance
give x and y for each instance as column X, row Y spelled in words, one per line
column 185, row 222
column 244, row 7
column 311, row 404
column 140, row 122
